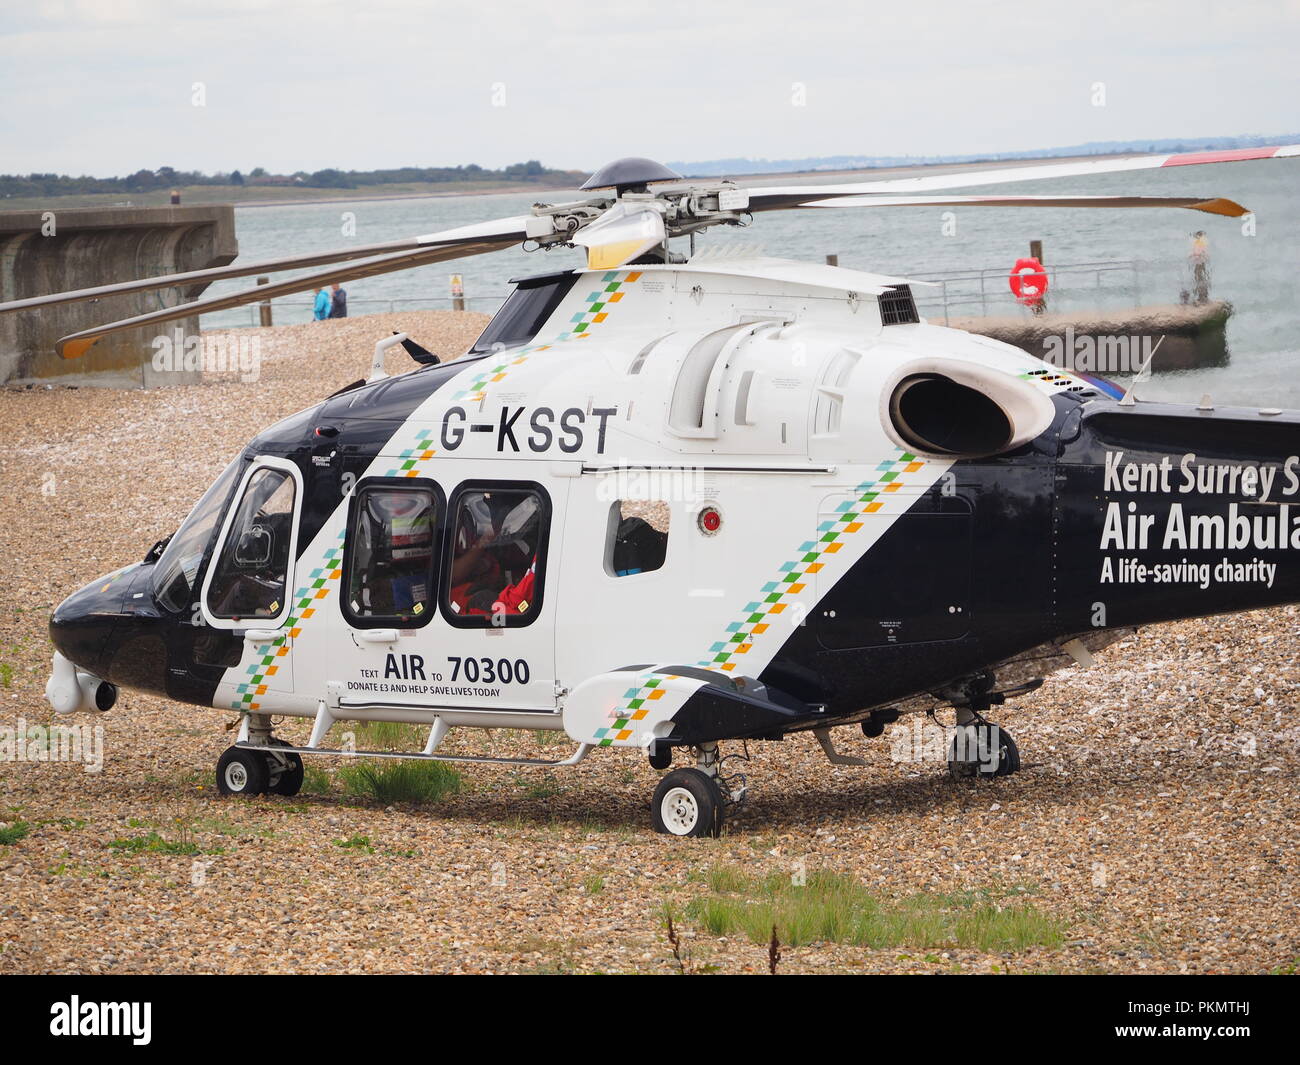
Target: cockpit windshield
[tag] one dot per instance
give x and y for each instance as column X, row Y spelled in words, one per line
column 177, row 568
column 525, row 311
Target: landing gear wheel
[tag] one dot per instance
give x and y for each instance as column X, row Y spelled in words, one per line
column 283, row 779
column 242, row 772
column 688, row 802
column 982, row 750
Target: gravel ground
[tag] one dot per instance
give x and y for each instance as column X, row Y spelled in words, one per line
column 1157, row 813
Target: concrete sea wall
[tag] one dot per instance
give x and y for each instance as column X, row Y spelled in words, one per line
column 81, row 247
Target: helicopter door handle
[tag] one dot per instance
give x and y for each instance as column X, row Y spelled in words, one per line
column 377, row 635
column 261, row 635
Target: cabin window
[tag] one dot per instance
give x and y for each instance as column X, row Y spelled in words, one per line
column 497, row 559
column 252, row 570
column 391, row 553
column 637, row 541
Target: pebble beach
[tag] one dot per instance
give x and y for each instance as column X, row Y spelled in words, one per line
column 1156, row 819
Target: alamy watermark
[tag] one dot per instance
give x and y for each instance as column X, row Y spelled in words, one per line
column 1102, row 353
column 677, row 485
column 133, row 1020
column 921, row 740
column 233, row 353
column 83, row 744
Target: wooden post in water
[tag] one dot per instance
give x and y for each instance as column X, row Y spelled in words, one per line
column 832, row 260
column 1036, row 252
column 264, row 308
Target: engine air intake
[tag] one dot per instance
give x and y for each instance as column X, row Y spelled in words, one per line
column 937, row 415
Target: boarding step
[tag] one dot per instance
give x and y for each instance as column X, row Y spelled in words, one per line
column 327, row 717
column 573, row 759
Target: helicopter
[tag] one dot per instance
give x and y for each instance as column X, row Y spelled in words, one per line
column 670, row 501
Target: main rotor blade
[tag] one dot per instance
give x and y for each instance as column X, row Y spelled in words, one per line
column 77, row 344
column 767, row 198
column 500, row 228
column 1217, row 205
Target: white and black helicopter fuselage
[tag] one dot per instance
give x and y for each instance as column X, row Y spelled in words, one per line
column 666, row 505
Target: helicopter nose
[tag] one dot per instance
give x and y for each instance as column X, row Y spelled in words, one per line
column 81, row 625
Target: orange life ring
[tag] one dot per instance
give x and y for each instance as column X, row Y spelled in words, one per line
column 1028, row 281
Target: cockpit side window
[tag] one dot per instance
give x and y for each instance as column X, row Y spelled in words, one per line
column 176, row 573
column 525, row 311
column 251, row 572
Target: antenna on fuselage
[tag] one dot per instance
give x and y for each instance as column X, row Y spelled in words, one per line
column 422, row 355
column 1144, row 374
column 377, row 372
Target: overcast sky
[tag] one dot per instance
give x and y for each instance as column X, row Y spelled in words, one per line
column 107, row 86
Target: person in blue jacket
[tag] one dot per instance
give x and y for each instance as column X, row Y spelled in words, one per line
column 321, row 307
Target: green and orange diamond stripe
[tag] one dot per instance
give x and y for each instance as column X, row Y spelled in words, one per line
column 422, row 451
column 795, row 575
column 639, row 702
column 320, row 581
column 791, row 579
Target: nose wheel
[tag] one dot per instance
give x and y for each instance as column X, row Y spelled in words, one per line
column 242, row 772
column 246, row 772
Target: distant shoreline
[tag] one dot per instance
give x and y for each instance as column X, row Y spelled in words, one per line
column 204, row 196
column 781, row 177
column 196, row 197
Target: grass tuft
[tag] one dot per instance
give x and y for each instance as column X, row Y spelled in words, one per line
column 831, row 907
column 316, row 780
column 12, row 833
column 545, row 787
column 154, row 844
column 389, row 735
column 404, row 781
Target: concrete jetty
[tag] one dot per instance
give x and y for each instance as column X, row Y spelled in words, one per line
column 1116, row 342
column 1182, row 336
column 81, row 247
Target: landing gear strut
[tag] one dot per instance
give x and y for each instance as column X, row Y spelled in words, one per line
column 689, row 802
column 978, row 747
column 285, row 770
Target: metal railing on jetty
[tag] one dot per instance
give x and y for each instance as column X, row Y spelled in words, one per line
column 968, row 293
column 299, row 310
column 959, row 294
